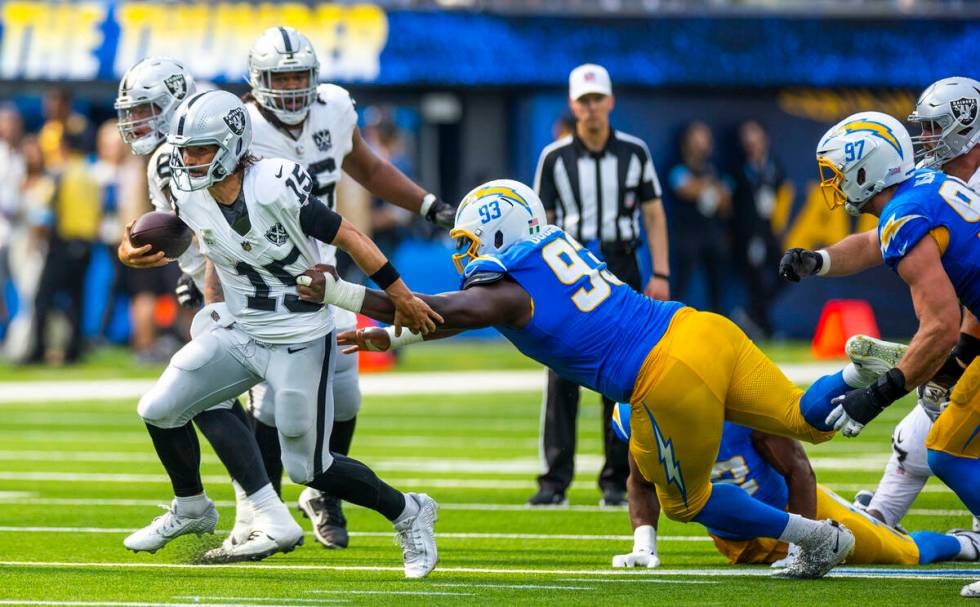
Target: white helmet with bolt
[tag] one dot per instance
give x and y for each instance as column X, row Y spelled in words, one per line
column 861, row 156
column 162, row 84
column 494, row 216
column 209, row 118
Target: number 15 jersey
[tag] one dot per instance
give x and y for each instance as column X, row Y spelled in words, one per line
column 586, row 325
column 259, row 257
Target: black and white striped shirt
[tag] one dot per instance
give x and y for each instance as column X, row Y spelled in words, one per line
column 597, row 195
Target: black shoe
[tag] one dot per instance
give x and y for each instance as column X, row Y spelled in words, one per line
column 613, row 497
column 329, row 522
column 548, row 497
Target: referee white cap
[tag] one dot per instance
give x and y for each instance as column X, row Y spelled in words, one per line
column 589, row 78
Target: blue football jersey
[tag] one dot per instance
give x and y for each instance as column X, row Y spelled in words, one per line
column 739, row 463
column 586, row 325
column 943, row 207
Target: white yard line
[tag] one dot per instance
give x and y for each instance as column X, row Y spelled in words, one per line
column 137, row 604
column 634, row 580
column 258, row 599
column 515, row 586
column 16, row 498
column 890, row 573
column 388, row 384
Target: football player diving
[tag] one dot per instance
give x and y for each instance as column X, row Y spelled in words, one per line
column 927, row 233
column 683, row 371
column 775, row 470
column 257, row 222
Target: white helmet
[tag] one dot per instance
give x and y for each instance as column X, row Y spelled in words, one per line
column 283, row 49
column 494, row 216
column 160, row 82
column 947, row 114
column 861, row 156
column 209, row 118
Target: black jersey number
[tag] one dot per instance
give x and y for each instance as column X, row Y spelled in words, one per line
column 261, row 300
column 323, row 191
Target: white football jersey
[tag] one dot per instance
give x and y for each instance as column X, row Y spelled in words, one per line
column 158, row 183
column 258, row 269
column 327, row 136
column 975, row 181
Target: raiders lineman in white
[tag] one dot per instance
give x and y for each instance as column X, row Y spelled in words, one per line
column 947, row 112
column 148, row 97
column 316, row 126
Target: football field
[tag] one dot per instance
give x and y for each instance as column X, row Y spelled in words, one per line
column 78, row 473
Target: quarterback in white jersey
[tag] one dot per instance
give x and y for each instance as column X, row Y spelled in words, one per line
column 949, row 140
column 256, row 222
column 315, row 126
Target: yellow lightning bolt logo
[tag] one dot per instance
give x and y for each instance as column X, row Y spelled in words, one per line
column 665, row 452
column 878, row 130
column 892, row 226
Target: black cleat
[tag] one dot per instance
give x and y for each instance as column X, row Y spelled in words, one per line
column 613, row 498
column 548, row 497
column 329, row 522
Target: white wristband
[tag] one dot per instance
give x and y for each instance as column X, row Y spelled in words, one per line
column 645, row 539
column 825, row 267
column 407, row 338
column 427, row 201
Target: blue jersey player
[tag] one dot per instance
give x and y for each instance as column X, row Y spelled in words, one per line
column 684, row 372
column 928, row 229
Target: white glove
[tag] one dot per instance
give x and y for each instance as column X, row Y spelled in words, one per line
column 644, row 550
column 649, row 560
column 841, row 422
column 786, row 561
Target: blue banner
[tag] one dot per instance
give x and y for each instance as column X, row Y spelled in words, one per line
column 361, row 43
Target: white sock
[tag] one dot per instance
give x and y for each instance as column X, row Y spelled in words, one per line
column 264, row 499
column 240, row 495
column 968, row 552
column 797, row 528
column 853, row 377
column 645, row 539
column 411, row 509
column 192, row 506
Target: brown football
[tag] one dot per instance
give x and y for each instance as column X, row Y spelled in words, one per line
column 164, row 231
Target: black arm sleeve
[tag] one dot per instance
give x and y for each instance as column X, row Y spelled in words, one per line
column 318, row 221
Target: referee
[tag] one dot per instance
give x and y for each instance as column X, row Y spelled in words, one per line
column 594, row 184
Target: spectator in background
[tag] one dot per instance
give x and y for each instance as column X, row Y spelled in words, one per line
column 758, row 183
column 11, row 178
column 563, row 126
column 701, row 205
column 59, row 121
column 72, row 229
column 390, row 225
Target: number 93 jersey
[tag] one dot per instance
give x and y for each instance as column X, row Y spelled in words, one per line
column 259, row 258
column 586, row 325
column 932, row 203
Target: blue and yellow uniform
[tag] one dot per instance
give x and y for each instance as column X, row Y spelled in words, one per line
column 935, row 205
column 683, row 371
column 741, row 464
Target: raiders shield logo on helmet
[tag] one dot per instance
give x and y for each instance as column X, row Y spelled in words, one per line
column 964, row 110
column 235, row 119
column 177, row 85
column 277, row 235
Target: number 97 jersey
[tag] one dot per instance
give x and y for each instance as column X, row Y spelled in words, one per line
column 935, row 205
column 586, row 325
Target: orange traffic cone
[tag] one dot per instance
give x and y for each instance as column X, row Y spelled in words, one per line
column 373, row 362
column 840, row 319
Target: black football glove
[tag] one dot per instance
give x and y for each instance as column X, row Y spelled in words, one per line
column 188, row 295
column 799, row 263
column 442, row 214
column 858, row 407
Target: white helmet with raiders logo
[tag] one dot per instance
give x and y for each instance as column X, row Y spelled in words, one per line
column 280, row 50
column 148, row 96
column 947, row 114
column 494, row 216
column 209, row 118
column 860, row 156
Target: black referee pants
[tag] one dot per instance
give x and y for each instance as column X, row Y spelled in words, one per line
column 561, row 410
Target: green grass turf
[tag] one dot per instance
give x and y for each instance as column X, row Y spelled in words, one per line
column 467, row 451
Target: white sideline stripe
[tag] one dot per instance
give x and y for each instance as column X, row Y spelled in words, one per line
column 636, row 581
column 23, row 499
column 258, row 599
column 516, row 586
column 135, row 604
column 471, row 382
column 467, row 536
column 912, row 574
